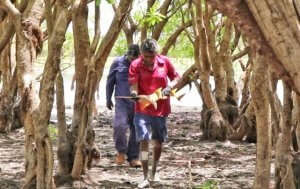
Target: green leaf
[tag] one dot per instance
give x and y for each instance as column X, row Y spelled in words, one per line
column 52, row 131
column 111, row 1
column 209, row 184
column 98, row 2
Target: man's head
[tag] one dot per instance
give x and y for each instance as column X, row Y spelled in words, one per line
column 133, row 52
column 149, row 50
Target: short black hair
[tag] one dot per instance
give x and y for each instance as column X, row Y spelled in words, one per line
column 149, row 45
column 133, row 50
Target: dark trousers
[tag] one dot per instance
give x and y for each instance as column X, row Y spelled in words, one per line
column 122, row 121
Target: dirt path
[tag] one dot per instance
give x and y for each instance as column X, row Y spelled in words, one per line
column 185, row 160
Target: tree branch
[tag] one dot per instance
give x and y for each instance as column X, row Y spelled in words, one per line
column 183, row 21
column 11, row 10
column 9, row 28
column 49, row 16
column 241, row 54
column 144, row 29
column 172, row 39
column 159, row 26
column 296, row 4
column 97, row 30
column 129, row 27
column 237, row 35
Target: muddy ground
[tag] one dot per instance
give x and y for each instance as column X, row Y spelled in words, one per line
column 186, row 161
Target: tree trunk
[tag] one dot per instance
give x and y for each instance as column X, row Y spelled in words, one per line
column 38, row 148
column 246, row 82
column 284, row 174
column 221, row 62
column 259, row 87
column 16, row 109
column 245, row 125
column 295, row 122
column 7, row 26
column 276, row 109
column 298, row 125
column 214, row 125
column 225, row 57
column 240, row 14
column 85, row 142
column 64, row 151
column 82, row 45
column 279, row 24
column 5, row 100
column 55, row 43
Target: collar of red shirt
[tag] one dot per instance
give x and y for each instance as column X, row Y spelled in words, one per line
column 158, row 61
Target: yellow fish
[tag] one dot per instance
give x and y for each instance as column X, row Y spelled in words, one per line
column 146, row 100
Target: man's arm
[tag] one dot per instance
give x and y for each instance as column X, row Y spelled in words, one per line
column 110, row 85
column 134, row 91
column 134, row 88
column 173, row 76
column 174, row 82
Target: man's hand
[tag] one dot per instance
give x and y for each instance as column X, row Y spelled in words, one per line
column 134, row 96
column 166, row 91
column 109, row 105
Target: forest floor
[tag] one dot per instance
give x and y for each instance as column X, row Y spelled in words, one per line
column 186, row 161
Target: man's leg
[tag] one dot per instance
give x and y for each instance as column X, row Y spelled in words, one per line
column 133, row 145
column 133, row 148
column 144, row 148
column 120, row 128
column 143, row 134
column 157, row 148
column 159, row 134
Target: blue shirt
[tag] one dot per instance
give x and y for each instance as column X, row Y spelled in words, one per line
column 117, row 80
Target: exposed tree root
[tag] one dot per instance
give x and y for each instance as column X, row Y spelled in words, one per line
column 214, row 126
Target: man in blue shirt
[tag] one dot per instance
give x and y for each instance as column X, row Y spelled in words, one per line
column 117, row 81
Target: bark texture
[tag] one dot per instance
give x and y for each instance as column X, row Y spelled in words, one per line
column 259, row 87
column 55, row 42
column 5, row 98
column 297, row 119
column 38, row 147
column 64, row 151
column 7, row 26
column 90, row 68
column 214, row 126
column 240, row 14
column 82, row 44
column 284, row 177
column 279, row 23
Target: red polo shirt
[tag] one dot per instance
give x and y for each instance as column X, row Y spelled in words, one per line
column 150, row 80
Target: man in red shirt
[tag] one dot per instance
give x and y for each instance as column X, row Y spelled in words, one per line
column 148, row 73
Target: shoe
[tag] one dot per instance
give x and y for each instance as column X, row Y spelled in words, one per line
column 144, row 184
column 120, row 159
column 135, row 163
